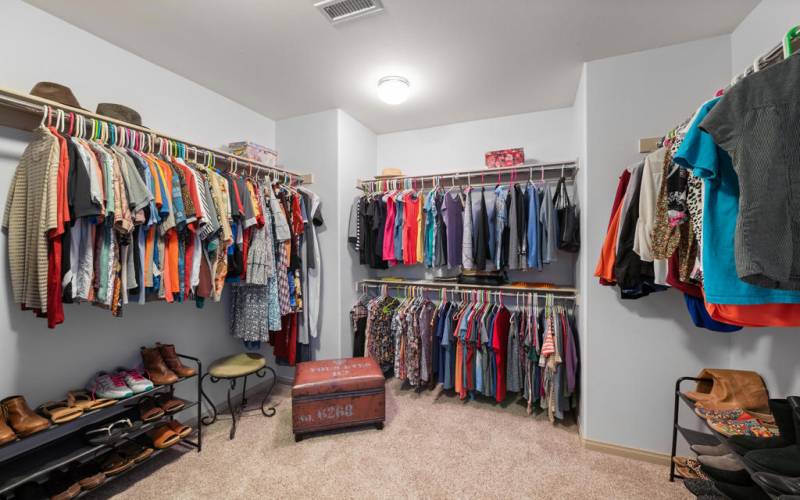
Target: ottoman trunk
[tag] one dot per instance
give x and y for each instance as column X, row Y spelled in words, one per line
column 337, row 393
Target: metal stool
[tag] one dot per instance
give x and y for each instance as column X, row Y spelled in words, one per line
column 232, row 368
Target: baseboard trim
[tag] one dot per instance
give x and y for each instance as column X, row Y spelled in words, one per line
column 623, row 451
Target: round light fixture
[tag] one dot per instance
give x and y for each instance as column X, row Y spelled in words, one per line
column 393, row 89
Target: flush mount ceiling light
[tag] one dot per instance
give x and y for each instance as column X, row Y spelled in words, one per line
column 393, row 89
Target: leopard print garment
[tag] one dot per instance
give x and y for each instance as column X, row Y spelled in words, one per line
column 664, row 235
column 695, row 203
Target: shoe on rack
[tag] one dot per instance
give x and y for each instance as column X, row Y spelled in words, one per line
column 114, row 463
column 62, row 486
column 163, row 437
column 168, row 403
column 135, row 380
column 22, row 419
column 784, row 461
column 173, row 361
column 724, row 474
column 134, row 451
column 31, row 490
column 739, row 492
column 710, row 451
column 179, row 429
column 6, row 432
column 149, row 410
column 784, row 419
column 701, row 487
column 156, row 369
column 778, row 485
column 109, row 386
column 88, row 475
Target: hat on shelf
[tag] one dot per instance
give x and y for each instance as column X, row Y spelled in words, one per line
column 120, row 112
column 55, row 92
column 390, row 172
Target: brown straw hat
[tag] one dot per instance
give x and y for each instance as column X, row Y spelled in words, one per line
column 55, row 92
column 119, row 112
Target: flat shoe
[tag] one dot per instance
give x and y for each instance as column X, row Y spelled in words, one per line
column 61, row 486
column 114, row 464
column 180, row 429
column 163, row 437
column 710, row 451
column 752, row 427
column 149, row 411
column 82, row 399
column 60, row 412
column 88, row 475
column 689, row 468
column 134, row 451
column 169, row 404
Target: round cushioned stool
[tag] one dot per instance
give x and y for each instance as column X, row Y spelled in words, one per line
column 232, row 368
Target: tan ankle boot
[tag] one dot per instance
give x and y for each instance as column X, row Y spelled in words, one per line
column 6, row 433
column 156, row 370
column 22, row 419
column 173, row 362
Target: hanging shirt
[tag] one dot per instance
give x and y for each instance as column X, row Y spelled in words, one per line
column 534, row 229
column 720, row 212
column 755, row 123
column 454, row 220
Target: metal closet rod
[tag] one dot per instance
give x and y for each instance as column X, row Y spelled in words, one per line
column 542, row 167
column 36, row 104
column 510, row 291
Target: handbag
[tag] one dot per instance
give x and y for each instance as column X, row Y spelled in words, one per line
column 569, row 234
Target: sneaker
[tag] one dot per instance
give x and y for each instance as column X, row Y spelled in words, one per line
column 135, row 380
column 109, row 385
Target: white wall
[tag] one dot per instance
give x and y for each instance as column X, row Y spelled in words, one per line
column 358, row 151
column 309, row 143
column 42, row 364
column 338, row 150
column 579, row 109
column 772, row 352
column 545, row 135
column 635, row 350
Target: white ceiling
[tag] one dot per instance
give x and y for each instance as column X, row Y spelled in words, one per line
column 466, row 59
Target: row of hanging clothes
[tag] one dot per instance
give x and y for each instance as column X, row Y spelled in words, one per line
column 474, row 344
column 712, row 212
column 107, row 215
column 514, row 226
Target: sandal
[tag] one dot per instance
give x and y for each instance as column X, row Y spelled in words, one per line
column 135, row 451
column 168, row 403
column 149, row 410
column 180, row 429
column 163, row 437
column 60, row 412
column 113, row 464
column 689, row 468
column 111, row 432
column 82, row 399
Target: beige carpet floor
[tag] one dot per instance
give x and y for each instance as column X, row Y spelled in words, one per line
column 433, row 446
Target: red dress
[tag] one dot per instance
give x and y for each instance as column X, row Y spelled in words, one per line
column 500, row 347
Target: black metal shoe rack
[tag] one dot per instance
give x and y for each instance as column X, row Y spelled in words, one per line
column 710, row 438
column 33, row 458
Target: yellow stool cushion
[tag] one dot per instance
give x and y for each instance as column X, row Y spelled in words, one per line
column 237, row 365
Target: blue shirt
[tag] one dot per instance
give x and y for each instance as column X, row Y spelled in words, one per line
column 534, row 246
column 721, row 283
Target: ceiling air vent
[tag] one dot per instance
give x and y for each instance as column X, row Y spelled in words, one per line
column 338, row 11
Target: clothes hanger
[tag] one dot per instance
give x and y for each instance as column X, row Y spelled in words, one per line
column 790, row 37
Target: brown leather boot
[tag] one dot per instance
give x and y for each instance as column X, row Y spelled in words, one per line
column 156, row 370
column 173, row 362
column 22, row 419
column 6, row 433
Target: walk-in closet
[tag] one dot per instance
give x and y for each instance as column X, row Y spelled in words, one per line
column 384, row 248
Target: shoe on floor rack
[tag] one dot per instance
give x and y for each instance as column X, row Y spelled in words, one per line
column 784, row 419
column 156, row 368
column 109, row 386
column 782, row 461
column 135, row 380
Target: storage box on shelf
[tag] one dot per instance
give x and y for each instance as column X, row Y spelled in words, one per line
column 34, row 457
